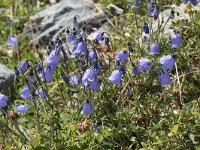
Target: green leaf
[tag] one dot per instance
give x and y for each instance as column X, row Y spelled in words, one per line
column 174, row 128
column 100, row 138
column 192, row 138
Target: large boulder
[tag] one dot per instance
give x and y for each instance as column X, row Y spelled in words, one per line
column 59, row 16
column 6, row 78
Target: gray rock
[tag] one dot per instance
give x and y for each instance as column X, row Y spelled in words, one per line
column 6, row 78
column 59, row 16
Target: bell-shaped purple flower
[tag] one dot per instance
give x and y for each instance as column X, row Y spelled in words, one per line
column 26, row 93
column 122, row 69
column 106, row 41
column 193, row 2
column 115, row 78
column 69, row 37
column 97, row 68
column 89, row 78
column 99, row 36
column 152, row 10
column 12, row 41
column 176, row 41
column 154, row 49
column 73, row 80
column 135, row 70
column 88, row 108
column 65, row 78
column 155, row 14
column 168, row 62
column 145, row 64
column 146, row 28
column 164, row 79
column 3, row 100
column 94, row 85
column 122, row 56
column 54, row 58
column 22, row 108
column 80, row 50
column 41, row 94
column 47, row 74
column 134, row 5
column 39, row 68
column 92, row 55
column 23, row 66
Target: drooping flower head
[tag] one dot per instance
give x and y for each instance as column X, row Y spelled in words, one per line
column 164, row 78
column 65, row 78
column 12, row 41
column 54, row 58
column 89, row 78
column 73, row 80
column 26, row 93
column 168, row 62
column 81, row 49
column 3, row 100
column 41, row 94
column 134, row 5
column 135, row 70
column 146, row 28
column 99, row 36
column 23, row 66
column 47, row 74
column 154, row 49
column 92, row 55
column 69, row 36
column 193, row 2
column 106, row 41
column 122, row 56
column 145, row 64
column 122, row 69
column 88, row 108
column 176, row 41
column 39, row 68
column 115, row 78
column 22, row 108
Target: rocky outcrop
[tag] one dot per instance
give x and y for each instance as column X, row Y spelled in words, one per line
column 59, row 16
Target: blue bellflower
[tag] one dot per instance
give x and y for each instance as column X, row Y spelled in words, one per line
column 41, row 94
column 115, row 78
column 54, row 58
column 88, row 108
column 146, row 28
column 167, row 62
column 135, row 70
column 39, row 68
column 23, row 66
column 80, row 50
column 99, row 36
column 47, row 74
column 73, row 80
column 12, row 41
column 145, row 64
column 122, row 56
column 154, row 49
column 90, row 78
column 164, row 79
column 193, row 2
column 26, row 93
column 176, row 41
column 92, row 55
column 22, row 108
column 65, row 78
column 69, row 37
column 3, row 100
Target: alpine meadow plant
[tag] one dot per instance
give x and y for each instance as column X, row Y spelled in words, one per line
column 107, row 90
